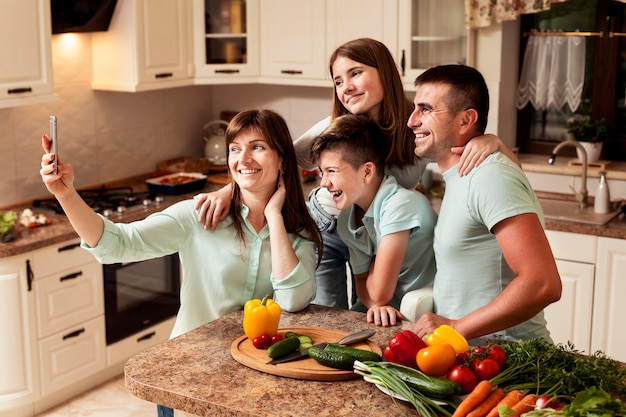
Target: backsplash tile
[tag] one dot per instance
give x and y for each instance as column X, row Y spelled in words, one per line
column 112, row 135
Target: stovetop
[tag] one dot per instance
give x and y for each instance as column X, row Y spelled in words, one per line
column 108, row 201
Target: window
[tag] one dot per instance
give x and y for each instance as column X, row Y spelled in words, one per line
column 604, row 91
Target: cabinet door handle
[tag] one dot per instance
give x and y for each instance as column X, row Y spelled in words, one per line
column 146, row 336
column 29, row 275
column 19, row 90
column 75, row 333
column 291, row 72
column 403, row 62
column 163, row 75
column 226, row 71
column 71, row 276
column 69, row 247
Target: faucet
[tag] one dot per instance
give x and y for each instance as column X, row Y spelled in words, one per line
column 581, row 196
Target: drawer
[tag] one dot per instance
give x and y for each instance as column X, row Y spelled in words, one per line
column 572, row 246
column 68, row 297
column 122, row 351
column 69, row 356
column 55, row 258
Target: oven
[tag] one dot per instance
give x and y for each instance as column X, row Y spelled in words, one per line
column 137, row 295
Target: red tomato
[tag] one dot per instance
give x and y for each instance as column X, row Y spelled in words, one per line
column 463, row 376
column 486, row 368
column 261, row 342
column 478, row 351
column 276, row 338
column 497, row 353
column 464, row 358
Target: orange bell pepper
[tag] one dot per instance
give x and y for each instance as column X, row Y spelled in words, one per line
column 261, row 317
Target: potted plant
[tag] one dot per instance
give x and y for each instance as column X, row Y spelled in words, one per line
column 589, row 132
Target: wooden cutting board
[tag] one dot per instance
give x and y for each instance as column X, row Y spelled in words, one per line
column 245, row 353
column 218, row 178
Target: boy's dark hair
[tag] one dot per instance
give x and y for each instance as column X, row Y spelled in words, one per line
column 468, row 89
column 357, row 138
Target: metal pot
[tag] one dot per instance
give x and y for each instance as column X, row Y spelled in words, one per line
column 215, row 147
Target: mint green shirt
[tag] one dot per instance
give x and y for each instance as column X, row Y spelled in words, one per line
column 471, row 269
column 394, row 209
column 219, row 273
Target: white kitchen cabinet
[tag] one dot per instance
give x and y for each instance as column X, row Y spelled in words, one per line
column 69, row 299
column 297, row 38
column 147, row 47
column 352, row 19
column 569, row 319
column 120, row 351
column 26, row 64
column 226, row 41
column 431, row 33
column 293, row 42
column 18, row 363
column 610, row 294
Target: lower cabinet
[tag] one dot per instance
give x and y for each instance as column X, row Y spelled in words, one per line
column 610, row 294
column 71, row 355
column 569, row 319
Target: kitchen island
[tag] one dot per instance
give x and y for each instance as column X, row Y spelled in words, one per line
column 196, row 373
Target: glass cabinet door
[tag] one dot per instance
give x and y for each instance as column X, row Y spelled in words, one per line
column 225, row 31
column 226, row 37
column 432, row 32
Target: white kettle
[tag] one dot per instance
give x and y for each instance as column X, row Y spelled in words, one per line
column 215, row 147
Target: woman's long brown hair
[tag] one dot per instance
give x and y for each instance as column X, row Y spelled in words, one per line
column 396, row 107
column 274, row 130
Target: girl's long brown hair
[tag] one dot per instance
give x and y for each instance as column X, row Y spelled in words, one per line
column 274, row 130
column 396, row 107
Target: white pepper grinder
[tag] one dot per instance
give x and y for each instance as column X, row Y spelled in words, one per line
column 602, row 200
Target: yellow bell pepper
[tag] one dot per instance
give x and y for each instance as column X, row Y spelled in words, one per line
column 261, row 317
column 447, row 334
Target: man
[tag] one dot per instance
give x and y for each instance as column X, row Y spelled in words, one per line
column 495, row 269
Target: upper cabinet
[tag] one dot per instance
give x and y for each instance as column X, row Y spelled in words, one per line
column 26, row 64
column 297, row 38
column 431, row 33
column 147, row 47
column 226, row 41
column 293, row 41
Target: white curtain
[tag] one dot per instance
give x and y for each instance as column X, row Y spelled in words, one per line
column 553, row 72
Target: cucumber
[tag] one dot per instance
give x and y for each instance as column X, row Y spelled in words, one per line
column 305, row 341
column 335, row 360
column 358, row 354
column 284, row 347
column 428, row 385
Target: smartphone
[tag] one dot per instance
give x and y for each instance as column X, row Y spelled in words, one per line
column 55, row 146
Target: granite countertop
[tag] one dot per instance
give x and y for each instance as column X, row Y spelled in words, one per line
column 196, row 373
column 60, row 230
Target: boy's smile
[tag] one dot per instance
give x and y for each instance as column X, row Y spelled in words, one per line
column 343, row 182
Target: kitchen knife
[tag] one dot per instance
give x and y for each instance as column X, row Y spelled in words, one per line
column 304, row 353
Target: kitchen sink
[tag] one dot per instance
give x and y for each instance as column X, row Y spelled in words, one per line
column 569, row 211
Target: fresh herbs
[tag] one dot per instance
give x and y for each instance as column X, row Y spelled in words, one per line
column 593, row 402
column 547, row 369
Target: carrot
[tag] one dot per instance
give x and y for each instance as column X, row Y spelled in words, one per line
column 510, row 399
column 526, row 404
column 486, row 406
column 477, row 396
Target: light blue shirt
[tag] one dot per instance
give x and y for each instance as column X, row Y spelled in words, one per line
column 220, row 273
column 471, row 269
column 393, row 209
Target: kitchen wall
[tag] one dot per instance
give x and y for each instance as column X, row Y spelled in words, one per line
column 109, row 135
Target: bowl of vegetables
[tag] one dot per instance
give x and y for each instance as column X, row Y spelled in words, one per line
column 8, row 226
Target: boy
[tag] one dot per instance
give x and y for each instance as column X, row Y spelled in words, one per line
column 388, row 229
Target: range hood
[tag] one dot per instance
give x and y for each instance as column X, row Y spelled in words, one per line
column 81, row 15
